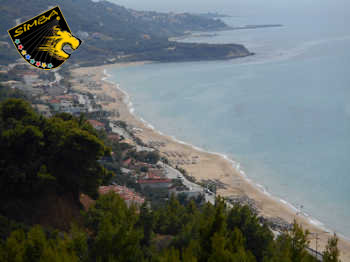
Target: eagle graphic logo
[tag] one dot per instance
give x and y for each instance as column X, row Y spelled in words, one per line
column 42, row 40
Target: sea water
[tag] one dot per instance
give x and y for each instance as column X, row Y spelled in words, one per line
column 283, row 114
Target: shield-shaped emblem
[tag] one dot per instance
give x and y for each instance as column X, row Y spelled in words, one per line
column 40, row 40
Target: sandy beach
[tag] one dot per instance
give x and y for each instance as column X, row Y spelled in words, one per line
column 200, row 164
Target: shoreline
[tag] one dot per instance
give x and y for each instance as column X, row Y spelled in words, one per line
column 235, row 164
column 213, row 165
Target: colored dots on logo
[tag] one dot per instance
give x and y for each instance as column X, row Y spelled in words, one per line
column 32, row 61
column 17, row 41
column 20, row 47
column 37, row 63
column 50, row 65
column 27, row 57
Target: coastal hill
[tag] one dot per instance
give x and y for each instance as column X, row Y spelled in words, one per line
column 114, row 33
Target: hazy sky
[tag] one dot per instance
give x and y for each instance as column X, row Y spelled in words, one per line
column 186, row 5
column 243, row 7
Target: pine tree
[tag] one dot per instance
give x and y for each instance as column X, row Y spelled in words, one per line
column 299, row 242
column 331, row 254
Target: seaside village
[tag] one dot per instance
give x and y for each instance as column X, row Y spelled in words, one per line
column 141, row 173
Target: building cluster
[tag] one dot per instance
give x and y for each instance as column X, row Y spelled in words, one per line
column 50, row 94
column 46, row 91
column 72, row 103
column 146, row 175
column 130, row 196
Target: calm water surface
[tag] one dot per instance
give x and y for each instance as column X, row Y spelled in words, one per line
column 284, row 113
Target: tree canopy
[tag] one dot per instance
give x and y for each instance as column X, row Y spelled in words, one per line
column 37, row 154
column 112, row 231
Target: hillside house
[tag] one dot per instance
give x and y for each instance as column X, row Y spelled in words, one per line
column 155, row 183
column 96, row 124
column 125, row 193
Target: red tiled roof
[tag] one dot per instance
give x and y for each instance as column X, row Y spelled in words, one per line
column 95, row 123
column 156, row 171
column 153, row 181
column 153, row 176
column 127, row 162
column 29, row 73
column 123, row 192
column 114, row 137
column 54, row 101
column 142, row 164
column 64, row 97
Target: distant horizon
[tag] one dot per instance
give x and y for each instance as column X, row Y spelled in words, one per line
column 241, row 7
column 301, row 13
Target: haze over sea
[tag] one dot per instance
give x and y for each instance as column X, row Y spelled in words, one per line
column 284, row 113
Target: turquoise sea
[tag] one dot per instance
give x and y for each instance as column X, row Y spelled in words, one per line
column 284, row 113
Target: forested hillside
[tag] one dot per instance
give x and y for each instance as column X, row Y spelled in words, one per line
column 114, row 232
column 45, row 160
